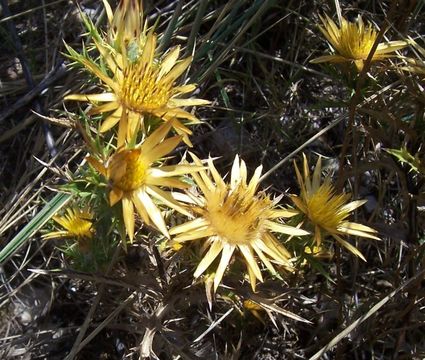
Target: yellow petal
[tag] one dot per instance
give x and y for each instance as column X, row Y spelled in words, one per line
column 169, row 113
column 108, row 9
column 128, row 215
column 284, row 229
column 189, row 226
column 184, row 89
column 177, row 70
column 208, row 258
column 122, row 128
column 110, row 106
column 284, row 213
column 97, row 165
column 217, row 178
column 355, row 232
column 56, row 235
column 391, row 46
column 253, row 184
column 156, row 137
column 329, row 58
column 104, row 97
column 251, row 262
column 174, row 170
column 154, row 213
column 235, row 174
column 359, row 64
column 264, row 259
column 167, row 199
column 317, row 174
column 148, row 50
column 252, row 278
column 352, row 205
column 167, row 182
column 174, row 102
column 111, row 120
column 162, row 149
column 169, row 61
column 140, row 207
column 224, row 263
column 349, row 247
column 195, row 234
column 115, row 195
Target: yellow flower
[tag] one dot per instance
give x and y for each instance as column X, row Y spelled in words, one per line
column 76, row 222
column 233, row 217
column 140, row 86
column 134, row 179
column 327, row 211
column 353, row 42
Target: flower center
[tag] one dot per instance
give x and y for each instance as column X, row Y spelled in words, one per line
column 141, row 90
column 134, row 173
column 324, row 207
column 237, row 217
column 356, row 43
column 81, row 228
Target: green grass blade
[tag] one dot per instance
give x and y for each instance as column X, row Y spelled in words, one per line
column 196, row 26
column 166, row 38
column 50, row 209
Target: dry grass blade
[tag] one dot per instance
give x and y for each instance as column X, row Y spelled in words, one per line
column 372, row 310
column 213, row 325
column 277, row 309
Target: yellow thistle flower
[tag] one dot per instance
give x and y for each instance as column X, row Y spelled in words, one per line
column 327, row 211
column 353, row 42
column 137, row 87
column 76, row 222
column 233, row 217
column 135, row 180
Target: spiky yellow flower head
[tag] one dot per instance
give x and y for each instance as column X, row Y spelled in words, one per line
column 235, row 217
column 77, row 224
column 135, row 178
column 353, row 42
column 138, row 82
column 327, row 211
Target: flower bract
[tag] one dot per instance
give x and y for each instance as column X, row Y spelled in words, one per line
column 234, row 217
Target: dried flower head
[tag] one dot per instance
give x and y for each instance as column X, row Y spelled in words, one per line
column 353, row 42
column 328, row 211
column 235, row 217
